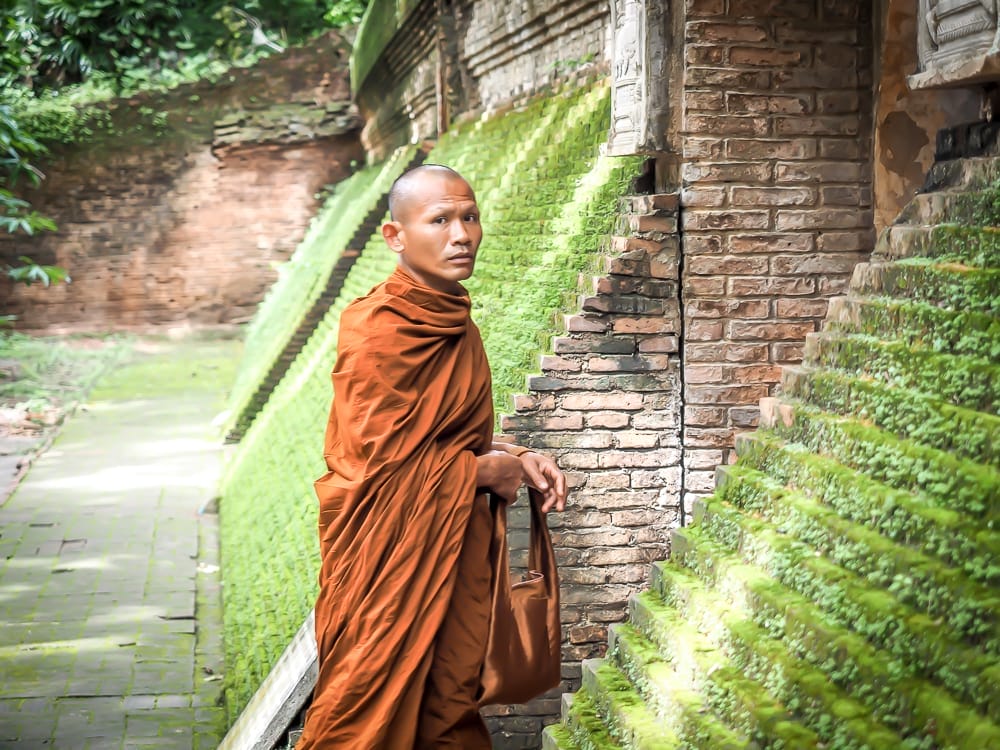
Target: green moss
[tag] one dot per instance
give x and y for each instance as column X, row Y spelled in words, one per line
column 917, row 640
column 968, row 382
column 891, row 691
column 945, row 284
column 974, row 246
column 924, row 419
column 915, row 323
column 969, row 609
column 917, row 520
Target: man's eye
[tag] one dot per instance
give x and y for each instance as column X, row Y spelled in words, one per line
column 472, row 217
column 440, row 220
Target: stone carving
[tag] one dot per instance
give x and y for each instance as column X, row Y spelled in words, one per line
column 628, row 93
column 639, row 56
column 953, row 32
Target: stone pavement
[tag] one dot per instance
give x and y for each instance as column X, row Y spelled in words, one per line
column 110, row 616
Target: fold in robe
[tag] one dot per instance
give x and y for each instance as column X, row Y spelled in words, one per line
column 403, row 610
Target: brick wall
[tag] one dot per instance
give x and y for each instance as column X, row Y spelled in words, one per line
column 493, row 52
column 508, row 50
column 185, row 223
column 776, row 199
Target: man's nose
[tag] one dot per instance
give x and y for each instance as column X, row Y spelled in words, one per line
column 460, row 233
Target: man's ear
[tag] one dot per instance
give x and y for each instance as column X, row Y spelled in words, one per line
column 392, row 232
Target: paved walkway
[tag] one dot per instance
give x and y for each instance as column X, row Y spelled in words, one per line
column 110, row 619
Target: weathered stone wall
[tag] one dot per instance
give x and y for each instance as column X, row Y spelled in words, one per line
column 475, row 55
column 776, row 199
column 184, row 222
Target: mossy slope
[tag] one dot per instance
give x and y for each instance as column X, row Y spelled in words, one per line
column 841, row 589
column 549, row 201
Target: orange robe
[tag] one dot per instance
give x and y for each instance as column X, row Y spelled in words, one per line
column 403, row 609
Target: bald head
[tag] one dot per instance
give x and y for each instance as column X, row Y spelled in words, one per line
column 408, row 186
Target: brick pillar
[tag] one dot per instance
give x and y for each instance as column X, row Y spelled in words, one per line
column 776, row 199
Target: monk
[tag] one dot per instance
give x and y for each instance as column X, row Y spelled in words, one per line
column 404, row 523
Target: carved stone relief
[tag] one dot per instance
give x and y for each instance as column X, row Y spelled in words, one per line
column 953, row 32
column 639, row 106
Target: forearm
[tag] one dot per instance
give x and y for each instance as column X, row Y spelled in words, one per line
column 514, row 450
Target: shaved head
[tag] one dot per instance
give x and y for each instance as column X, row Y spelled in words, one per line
column 407, row 186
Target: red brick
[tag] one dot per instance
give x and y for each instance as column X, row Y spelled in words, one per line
column 703, row 148
column 523, row 402
column 628, row 364
column 793, row 104
column 768, row 57
column 740, row 330
column 762, row 196
column 588, row 324
column 724, row 394
column 725, row 352
column 855, row 241
column 726, row 33
column 728, row 78
column 703, row 330
column 704, row 287
column 749, row 374
column 832, row 125
column 727, row 125
column 705, row 8
column 771, row 243
column 815, row 263
column 703, row 458
column 830, row 285
column 607, row 420
column 704, row 416
column 842, row 148
column 786, row 352
column 820, row 171
column 598, row 401
column 704, row 54
column 728, row 308
column 632, row 439
column 655, row 421
column 726, row 172
column 837, row 102
column 801, row 308
column 653, row 344
column 846, row 195
column 700, row 219
column 703, row 374
column 608, row 479
column 704, row 196
column 711, row 265
column 699, row 437
column 822, row 218
column 769, row 286
column 560, row 364
column 785, row 148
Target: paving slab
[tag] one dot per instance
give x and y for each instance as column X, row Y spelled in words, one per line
column 110, row 618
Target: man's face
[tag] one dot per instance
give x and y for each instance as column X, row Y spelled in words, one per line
column 437, row 232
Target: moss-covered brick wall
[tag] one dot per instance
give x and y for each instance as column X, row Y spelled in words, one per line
column 549, row 201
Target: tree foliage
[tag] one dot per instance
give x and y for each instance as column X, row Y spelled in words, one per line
column 50, row 50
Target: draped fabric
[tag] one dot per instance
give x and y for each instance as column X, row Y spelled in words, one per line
column 403, row 609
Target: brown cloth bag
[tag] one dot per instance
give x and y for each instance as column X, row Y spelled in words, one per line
column 523, row 651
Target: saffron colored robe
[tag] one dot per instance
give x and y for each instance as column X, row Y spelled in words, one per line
column 403, row 610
